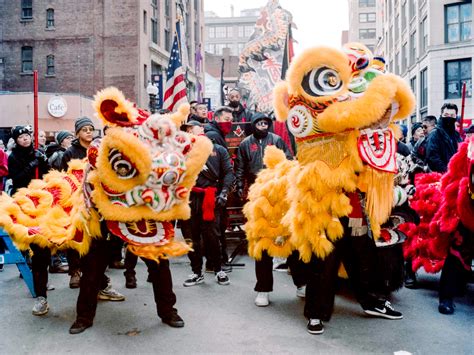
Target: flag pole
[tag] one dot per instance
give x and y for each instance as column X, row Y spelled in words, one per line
column 222, row 82
column 463, row 102
column 35, row 113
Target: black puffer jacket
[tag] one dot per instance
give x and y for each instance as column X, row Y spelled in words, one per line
column 75, row 151
column 249, row 159
column 54, row 153
column 218, row 171
column 243, row 115
column 22, row 164
column 214, row 133
column 441, row 145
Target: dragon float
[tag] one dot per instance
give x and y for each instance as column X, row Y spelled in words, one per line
column 136, row 179
column 341, row 106
column 445, row 204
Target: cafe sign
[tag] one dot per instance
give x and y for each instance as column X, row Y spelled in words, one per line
column 57, row 106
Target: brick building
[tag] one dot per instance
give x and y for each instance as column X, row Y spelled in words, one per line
column 79, row 47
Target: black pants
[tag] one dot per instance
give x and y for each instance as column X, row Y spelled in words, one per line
column 73, row 260
column 116, row 252
column 358, row 257
column 39, row 266
column 93, row 266
column 209, row 231
column 457, row 266
column 264, row 272
column 130, row 263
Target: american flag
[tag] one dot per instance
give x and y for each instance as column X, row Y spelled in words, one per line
column 175, row 87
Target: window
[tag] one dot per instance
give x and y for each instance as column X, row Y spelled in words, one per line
column 154, row 3
column 26, row 9
column 411, row 9
column 404, row 16
column 367, row 17
column 423, row 36
column 241, row 31
column 26, row 59
column 144, row 21
column 50, row 18
column 248, row 31
column 145, row 76
column 50, row 65
column 212, row 32
column 154, row 30
column 367, row 33
column 240, row 48
column 167, row 40
column 424, row 88
column 412, row 48
column 366, row 3
column 413, row 84
column 230, row 32
column 397, row 27
column 458, row 72
column 220, row 32
column 397, row 63
column 404, row 57
column 458, row 22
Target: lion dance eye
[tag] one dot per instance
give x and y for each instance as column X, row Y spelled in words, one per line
column 322, row 81
column 121, row 165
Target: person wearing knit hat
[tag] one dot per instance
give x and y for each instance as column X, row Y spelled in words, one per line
column 81, row 123
column 25, row 164
column 417, row 133
column 64, row 139
column 20, row 131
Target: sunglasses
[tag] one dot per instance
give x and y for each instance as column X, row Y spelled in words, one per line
column 87, row 129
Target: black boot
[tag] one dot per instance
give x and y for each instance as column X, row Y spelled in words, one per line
column 130, row 281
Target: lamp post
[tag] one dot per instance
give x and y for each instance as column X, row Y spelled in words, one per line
column 152, row 91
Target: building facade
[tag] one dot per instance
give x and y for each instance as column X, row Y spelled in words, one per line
column 363, row 22
column 229, row 32
column 429, row 44
column 80, row 47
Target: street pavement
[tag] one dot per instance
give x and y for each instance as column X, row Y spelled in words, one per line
column 224, row 320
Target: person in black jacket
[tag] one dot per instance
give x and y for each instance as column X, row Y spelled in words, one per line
column 84, row 129
column 208, row 199
column 239, row 113
column 247, row 165
column 220, row 126
column 250, row 153
column 25, row 164
column 55, row 151
column 443, row 142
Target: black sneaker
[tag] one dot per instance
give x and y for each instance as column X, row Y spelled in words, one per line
column 194, row 279
column 384, row 310
column 79, row 326
column 173, row 320
column 315, row 326
column 446, row 307
column 130, row 281
column 222, row 278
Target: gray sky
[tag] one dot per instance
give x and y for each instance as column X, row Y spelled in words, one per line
column 318, row 21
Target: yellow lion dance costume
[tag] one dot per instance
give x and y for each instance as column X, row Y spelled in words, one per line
column 136, row 180
column 340, row 106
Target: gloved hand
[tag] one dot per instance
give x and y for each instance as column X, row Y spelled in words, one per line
column 240, row 193
column 34, row 163
column 40, row 156
column 221, row 200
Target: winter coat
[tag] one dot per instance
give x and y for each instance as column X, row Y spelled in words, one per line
column 54, row 153
column 22, row 164
column 218, row 171
column 214, row 133
column 75, row 151
column 249, row 159
column 441, row 145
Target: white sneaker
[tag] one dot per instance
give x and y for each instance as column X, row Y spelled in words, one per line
column 41, row 306
column 301, row 291
column 110, row 294
column 262, row 299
